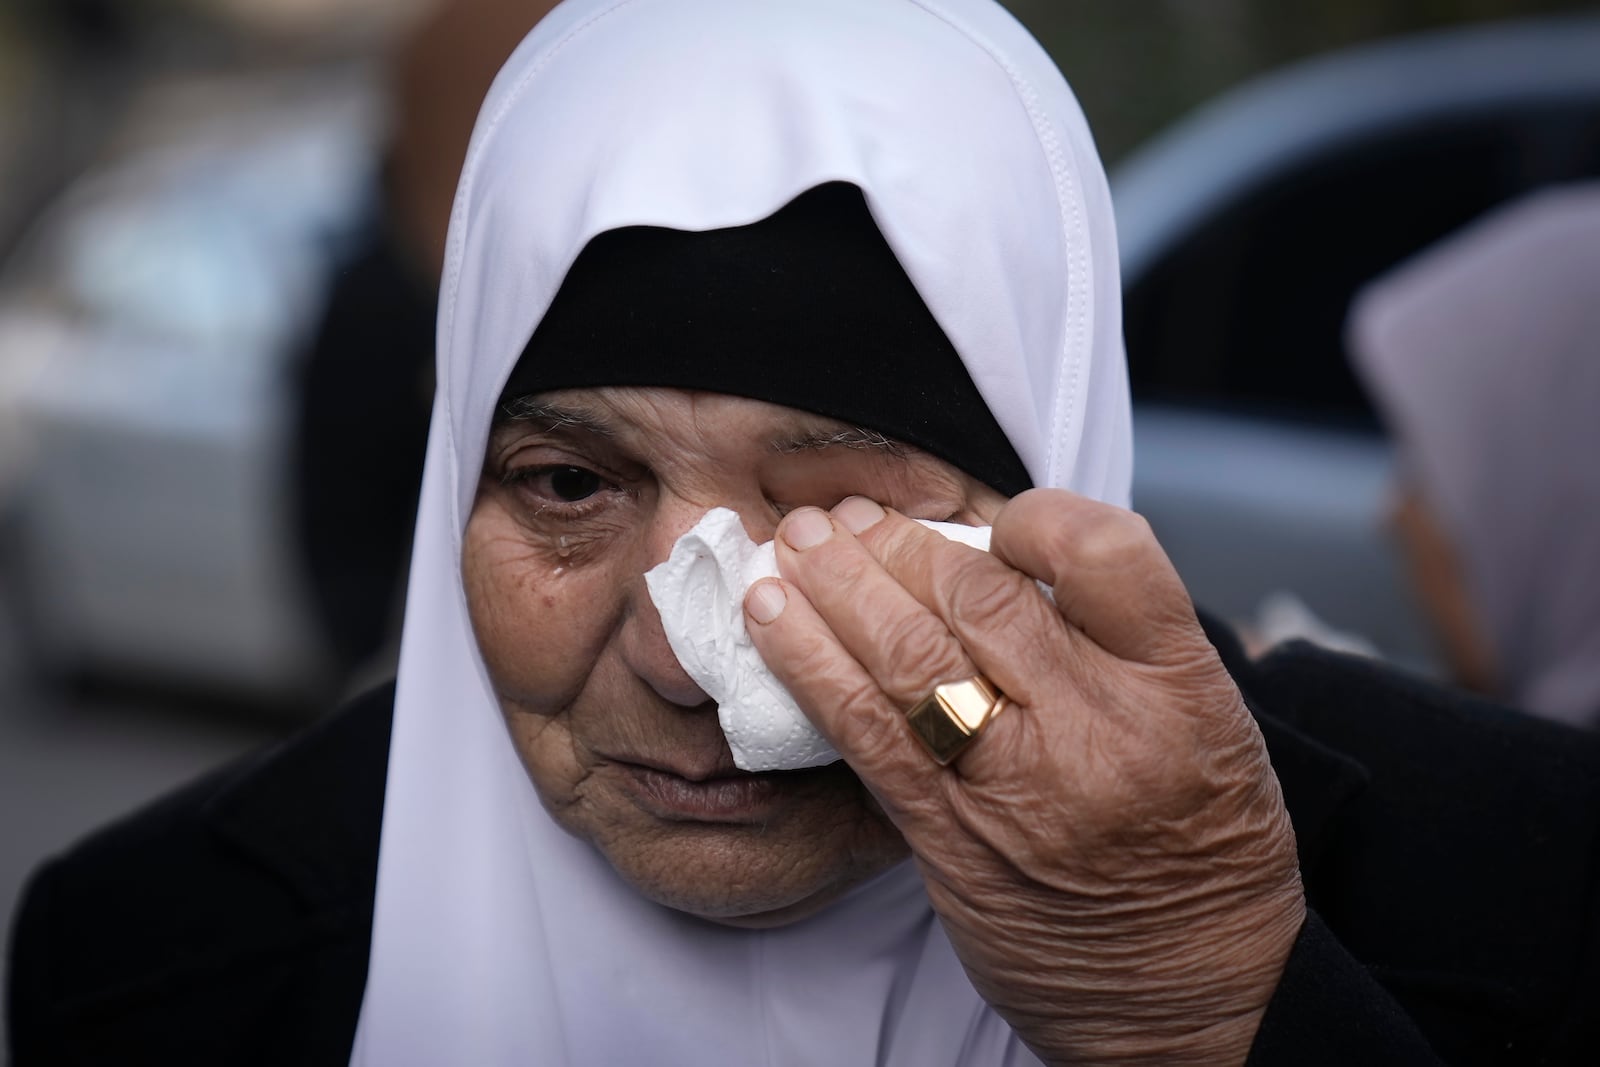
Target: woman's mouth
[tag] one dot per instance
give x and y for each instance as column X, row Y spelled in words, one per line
column 737, row 796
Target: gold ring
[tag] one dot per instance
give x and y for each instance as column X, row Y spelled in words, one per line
column 948, row 719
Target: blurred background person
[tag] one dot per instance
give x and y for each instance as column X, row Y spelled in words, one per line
column 1246, row 230
column 174, row 180
column 365, row 386
column 1483, row 353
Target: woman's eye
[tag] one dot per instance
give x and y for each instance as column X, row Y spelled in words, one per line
column 572, row 484
column 562, row 485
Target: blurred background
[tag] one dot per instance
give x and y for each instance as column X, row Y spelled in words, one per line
column 219, row 217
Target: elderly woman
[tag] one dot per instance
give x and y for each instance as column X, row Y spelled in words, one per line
column 834, row 266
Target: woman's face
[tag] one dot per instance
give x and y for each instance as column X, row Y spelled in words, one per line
column 577, row 500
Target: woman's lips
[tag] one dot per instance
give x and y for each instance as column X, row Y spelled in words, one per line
column 734, row 797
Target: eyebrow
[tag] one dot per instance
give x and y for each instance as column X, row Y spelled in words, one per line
column 552, row 416
column 856, row 437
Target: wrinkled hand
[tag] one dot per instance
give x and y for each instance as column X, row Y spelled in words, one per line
column 1111, row 857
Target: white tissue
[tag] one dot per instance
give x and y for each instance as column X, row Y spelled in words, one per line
column 699, row 593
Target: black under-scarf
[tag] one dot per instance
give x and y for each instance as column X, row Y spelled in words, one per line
column 807, row 308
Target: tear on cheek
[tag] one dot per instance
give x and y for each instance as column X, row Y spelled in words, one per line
column 569, row 546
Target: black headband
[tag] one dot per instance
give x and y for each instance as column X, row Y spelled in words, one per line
column 807, row 308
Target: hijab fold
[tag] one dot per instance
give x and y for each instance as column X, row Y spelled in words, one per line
column 498, row 938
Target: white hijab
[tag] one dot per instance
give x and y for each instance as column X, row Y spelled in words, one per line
column 1484, row 354
column 498, row 938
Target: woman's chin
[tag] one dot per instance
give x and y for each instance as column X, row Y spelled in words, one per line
column 751, row 875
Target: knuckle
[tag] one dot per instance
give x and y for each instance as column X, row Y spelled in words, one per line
column 826, row 683
column 867, row 725
column 919, row 651
column 804, row 658
column 839, row 567
column 858, row 700
column 983, row 598
column 1111, row 539
column 878, row 738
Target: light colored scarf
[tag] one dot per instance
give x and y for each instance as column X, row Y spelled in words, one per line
column 498, row 938
column 1484, row 355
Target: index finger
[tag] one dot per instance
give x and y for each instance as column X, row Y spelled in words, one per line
column 855, row 650
column 997, row 614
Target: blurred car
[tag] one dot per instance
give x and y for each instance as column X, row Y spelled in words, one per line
column 1245, row 230
column 148, row 327
column 146, row 330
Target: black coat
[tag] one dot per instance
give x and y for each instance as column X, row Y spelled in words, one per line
column 1449, row 850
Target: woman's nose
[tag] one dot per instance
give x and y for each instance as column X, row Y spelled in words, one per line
column 645, row 648
column 644, row 642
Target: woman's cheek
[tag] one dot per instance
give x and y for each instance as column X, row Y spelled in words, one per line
column 541, row 616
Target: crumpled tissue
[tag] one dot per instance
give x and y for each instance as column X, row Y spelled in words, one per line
column 699, row 593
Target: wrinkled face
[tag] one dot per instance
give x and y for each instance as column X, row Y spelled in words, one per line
column 581, row 496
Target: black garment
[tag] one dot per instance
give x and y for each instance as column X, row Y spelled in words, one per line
column 363, row 393
column 807, row 308
column 1449, row 851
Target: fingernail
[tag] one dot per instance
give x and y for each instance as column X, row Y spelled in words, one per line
column 856, row 513
column 807, row 528
column 765, row 601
